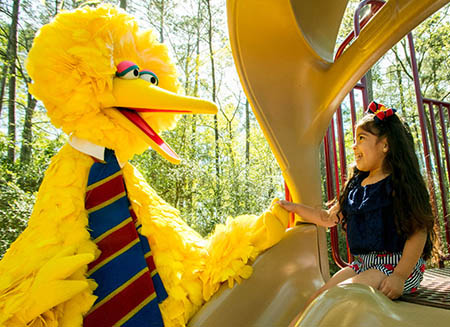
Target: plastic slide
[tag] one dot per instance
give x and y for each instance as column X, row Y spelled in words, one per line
column 283, row 50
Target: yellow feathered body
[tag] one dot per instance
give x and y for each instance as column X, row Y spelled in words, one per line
column 43, row 275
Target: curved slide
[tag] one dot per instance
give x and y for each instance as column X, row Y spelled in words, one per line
column 286, row 275
column 283, row 51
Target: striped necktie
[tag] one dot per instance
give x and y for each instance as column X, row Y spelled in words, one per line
column 129, row 287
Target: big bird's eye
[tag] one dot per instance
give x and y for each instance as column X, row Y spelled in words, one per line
column 149, row 77
column 127, row 70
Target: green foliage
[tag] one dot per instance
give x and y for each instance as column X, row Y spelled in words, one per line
column 190, row 186
column 15, row 208
column 18, row 186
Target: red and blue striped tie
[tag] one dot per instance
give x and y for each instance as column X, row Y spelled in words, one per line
column 129, row 287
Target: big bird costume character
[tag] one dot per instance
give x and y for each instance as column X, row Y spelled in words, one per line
column 101, row 247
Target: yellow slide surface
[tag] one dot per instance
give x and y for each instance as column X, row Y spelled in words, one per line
column 283, row 51
column 283, row 279
column 286, row 275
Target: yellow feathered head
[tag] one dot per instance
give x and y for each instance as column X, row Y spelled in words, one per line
column 103, row 80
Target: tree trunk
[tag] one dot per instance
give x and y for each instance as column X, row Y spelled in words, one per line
column 213, row 93
column 161, row 22
column 12, row 55
column 2, row 85
column 197, row 50
column 369, row 85
column 27, row 135
column 187, row 62
column 400, row 84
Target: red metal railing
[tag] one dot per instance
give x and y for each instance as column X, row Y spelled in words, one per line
column 438, row 134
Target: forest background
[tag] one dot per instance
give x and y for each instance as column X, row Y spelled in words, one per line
column 227, row 168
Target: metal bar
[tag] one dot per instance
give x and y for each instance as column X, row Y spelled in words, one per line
column 351, row 35
column 353, row 111
column 341, row 141
column 343, row 162
column 440, row 177
column 376, row 5
column 365, row 95
column 445, row 140
column 447, row 162
column 434, row 101
column 448, row 112
column 336, row 168
column 334, row 237
column 288, row 197
column 423, row 129
column 327, row 165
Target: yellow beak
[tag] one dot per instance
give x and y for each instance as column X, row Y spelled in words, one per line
column 138, row 95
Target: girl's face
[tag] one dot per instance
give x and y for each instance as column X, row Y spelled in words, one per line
column 370, row 151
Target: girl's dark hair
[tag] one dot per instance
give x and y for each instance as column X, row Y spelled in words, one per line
column 411, row 201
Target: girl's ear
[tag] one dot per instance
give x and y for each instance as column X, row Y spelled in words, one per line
column 383, row 140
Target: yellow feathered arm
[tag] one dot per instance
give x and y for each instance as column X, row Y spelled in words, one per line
column 42, row 280
column 190, row 267
column 233, row 246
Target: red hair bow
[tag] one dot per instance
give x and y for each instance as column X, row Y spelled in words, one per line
column 380, row 111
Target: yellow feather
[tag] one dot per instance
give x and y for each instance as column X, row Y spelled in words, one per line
column 45, row 266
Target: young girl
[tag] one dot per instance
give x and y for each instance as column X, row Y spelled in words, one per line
column 384, row 208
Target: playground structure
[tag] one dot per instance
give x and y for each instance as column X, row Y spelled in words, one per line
column 433, row 137
column 283, row 51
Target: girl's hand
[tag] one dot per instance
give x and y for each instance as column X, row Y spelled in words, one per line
column 289, row 206
column 392, row 286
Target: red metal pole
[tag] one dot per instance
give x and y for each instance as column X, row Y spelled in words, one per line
column 421, row 111
column 423, row 128
column 448, row 112
column 336, row 168
column 440, row 177
column 327, row 165
column 288, row 197
column 334, row 237
column 375, row 6
column 341, row 141
column 445, row 140
column 353, row 111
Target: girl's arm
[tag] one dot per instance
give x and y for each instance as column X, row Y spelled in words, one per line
column 321, row 217
column 392, row 286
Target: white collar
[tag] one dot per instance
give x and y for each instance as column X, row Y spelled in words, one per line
column 89, row 148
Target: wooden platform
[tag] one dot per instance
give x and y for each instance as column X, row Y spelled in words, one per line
column 434, row 290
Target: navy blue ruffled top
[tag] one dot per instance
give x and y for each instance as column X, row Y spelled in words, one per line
column 370, row 218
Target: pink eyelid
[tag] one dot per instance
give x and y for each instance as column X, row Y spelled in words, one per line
column 124, row 65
